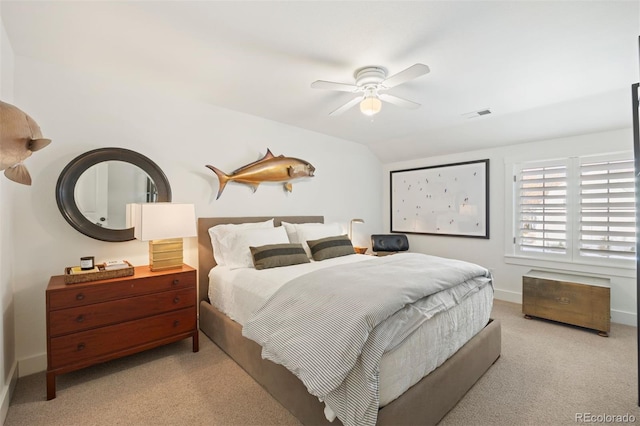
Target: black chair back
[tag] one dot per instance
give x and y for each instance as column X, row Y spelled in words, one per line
column 389, row 242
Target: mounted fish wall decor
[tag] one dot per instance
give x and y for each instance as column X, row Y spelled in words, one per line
column 19, row 137
column 267, row 169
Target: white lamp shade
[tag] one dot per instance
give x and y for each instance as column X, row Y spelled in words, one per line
column 351, row 226
column 159, row 221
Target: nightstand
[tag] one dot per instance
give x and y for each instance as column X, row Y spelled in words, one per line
column 94, row 322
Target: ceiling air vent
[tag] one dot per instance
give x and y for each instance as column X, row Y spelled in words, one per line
column 479, row 113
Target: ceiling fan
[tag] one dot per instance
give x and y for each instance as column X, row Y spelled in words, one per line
column 370, row 83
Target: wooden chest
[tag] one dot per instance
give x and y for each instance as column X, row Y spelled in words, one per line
column 98, row 321
column 572, row 299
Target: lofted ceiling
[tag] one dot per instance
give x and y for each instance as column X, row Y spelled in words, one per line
column 545, row 69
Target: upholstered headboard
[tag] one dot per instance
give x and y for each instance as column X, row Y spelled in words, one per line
column 205, row 250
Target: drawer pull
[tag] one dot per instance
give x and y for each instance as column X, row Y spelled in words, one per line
column 176, row 282
column 176, row 300
column 176, row 323
column 80, row 318
column 79, row 296
column 81, row 346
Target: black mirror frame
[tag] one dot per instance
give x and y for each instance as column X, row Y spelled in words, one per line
column 65, row 189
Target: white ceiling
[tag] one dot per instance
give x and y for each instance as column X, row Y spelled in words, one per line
column 545, row 68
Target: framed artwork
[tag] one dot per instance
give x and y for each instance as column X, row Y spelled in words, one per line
column 450, row 199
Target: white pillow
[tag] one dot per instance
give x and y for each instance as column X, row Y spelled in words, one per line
column 236, row 245
column 291, row 231
column 219, row 232
column 314, row 231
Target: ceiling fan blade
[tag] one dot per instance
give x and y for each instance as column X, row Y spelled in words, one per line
column 330, row 85
column 410, row 73
column 399, row 101
column 346, row 106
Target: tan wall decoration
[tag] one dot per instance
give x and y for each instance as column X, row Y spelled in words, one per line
column 268, row 169
column 19, row 137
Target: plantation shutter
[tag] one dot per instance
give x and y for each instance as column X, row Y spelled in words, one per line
column 542, row 210
column 607, row 210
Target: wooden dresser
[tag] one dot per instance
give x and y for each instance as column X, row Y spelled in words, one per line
column 573, row 299
column 98, row 321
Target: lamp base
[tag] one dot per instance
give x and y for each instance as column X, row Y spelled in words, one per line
column 360, row 250
column 165, row 254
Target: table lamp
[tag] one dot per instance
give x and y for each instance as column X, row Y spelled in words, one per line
column 360, row 250
column 164, row 225
column 351, row 226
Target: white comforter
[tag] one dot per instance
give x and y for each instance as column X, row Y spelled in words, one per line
column 239, row 292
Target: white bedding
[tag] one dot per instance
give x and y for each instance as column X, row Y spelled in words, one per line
column 238, row 292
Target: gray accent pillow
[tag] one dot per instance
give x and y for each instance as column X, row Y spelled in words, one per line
column 327, row 248
column 275, row 255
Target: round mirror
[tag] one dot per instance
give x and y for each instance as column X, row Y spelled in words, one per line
column 93, row 190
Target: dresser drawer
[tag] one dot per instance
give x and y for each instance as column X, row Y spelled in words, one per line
column 78, row 347
column 64, row 321
column 90, row 293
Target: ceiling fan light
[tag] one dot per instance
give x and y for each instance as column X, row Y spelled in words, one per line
column 370, row 105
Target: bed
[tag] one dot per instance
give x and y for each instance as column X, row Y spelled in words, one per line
column 425, row 402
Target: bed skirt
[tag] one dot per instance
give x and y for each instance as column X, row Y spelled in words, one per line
column 425, row 403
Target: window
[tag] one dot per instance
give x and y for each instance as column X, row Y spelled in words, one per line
column 607, row 210
column 579, row 210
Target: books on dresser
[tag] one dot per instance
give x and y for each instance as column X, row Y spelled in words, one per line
column 111, row 265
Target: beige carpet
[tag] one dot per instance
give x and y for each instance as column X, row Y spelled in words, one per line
column 546, row 375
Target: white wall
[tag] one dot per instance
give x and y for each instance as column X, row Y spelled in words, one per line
column 491, row 253
column 80, row 112
column 8, row 370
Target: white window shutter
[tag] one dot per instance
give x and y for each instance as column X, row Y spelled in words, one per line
column 541, row 195
column 607, row 210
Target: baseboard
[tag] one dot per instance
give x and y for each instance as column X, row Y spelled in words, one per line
column 7, row 392
column 32, row 365
column 507, row 296
column 626, row 318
